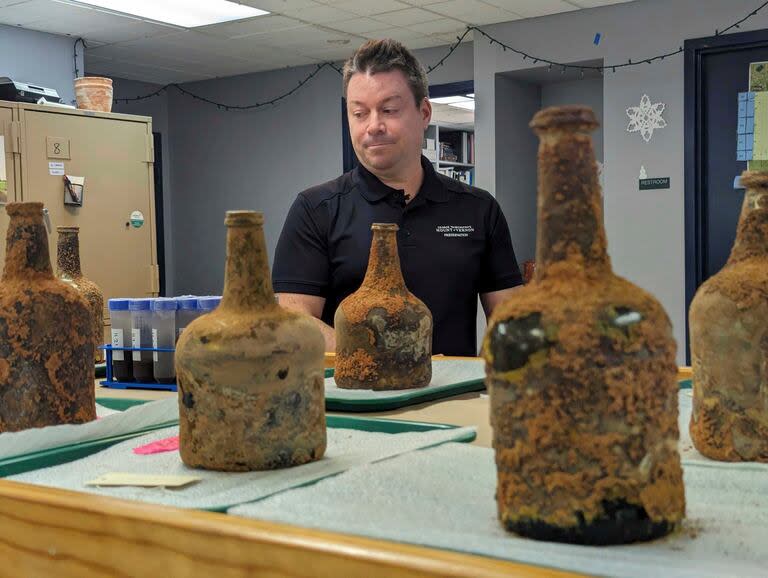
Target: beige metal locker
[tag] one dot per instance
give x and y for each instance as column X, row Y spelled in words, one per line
column 114, row 153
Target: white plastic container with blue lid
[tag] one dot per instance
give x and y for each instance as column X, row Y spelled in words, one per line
column 187, row 312
column 120, row 322
column 208, row 304
column 141, row 336
column 164, row 336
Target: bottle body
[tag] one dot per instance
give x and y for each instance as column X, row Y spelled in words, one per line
column 250, row 373
column 69, row 271
column 729, row 342
column 581, row 373
column 46, row 334
column 383, row 331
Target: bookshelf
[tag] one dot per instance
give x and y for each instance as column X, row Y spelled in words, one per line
column 451, row 149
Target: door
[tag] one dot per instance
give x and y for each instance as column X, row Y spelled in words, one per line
column 157, row 180
column 725, row 74
column 8, row 166
column 717, row 70
column 114, row 155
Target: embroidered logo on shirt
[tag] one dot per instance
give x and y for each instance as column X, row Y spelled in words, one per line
column 455, row 230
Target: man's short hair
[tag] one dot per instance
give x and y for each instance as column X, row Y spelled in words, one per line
column 383, row 56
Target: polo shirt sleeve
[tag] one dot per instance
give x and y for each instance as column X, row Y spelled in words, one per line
column 499, row 269
column 301, row 257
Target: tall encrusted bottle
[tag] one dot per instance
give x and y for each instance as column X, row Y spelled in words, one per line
column 250, row 373
column 581, row 372
column 729, row 341
column 46, row 334
column 69, row 271
column 383, row 331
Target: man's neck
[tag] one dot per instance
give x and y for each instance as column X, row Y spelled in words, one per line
column 410, row 181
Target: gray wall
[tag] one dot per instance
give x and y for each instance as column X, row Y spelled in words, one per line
column 157, row 108
column 588, row 92
column 246, row 160
column 40, row 58
column 256, row 160
column 516, row 102
column 645, row 229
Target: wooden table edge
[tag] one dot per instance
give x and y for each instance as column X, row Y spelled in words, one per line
column 48, row 531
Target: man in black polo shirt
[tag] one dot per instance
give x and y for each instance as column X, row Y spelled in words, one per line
column 453, row 241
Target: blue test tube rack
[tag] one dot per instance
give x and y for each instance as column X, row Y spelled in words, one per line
column 112, row 383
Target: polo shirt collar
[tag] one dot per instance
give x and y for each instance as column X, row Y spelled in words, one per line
column 374, row 190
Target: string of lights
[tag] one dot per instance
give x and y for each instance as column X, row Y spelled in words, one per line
column 74, row 53
column 562, row 66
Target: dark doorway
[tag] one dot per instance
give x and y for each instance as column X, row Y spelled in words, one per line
column 716, row 70
column 159, row 227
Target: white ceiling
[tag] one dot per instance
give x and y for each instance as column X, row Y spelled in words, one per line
column 295, row 32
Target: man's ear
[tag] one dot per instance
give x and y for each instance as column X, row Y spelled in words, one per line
column 426, row 112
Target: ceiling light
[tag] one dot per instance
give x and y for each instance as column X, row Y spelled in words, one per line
column 178, row 12
column 450, row 99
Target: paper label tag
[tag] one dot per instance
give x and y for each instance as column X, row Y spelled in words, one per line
column 144, row 480
column 154, row 344
column 56, row 169
column 117, row 341
column 136, row 342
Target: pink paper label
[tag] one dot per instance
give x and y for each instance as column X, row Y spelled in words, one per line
column 165, row 445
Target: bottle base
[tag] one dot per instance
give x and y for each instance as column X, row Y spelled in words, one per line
column 622, row 523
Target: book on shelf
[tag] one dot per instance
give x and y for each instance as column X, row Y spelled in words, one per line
column 448, row 152
column 463, row 175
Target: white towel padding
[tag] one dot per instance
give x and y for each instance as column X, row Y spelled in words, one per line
column 102, row 411
column 445, row 375
column 112, row 423
column 444, row 497
column 219, row 490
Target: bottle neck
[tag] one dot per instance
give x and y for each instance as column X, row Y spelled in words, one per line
column 752, row 231
column 384, row 261
column 247, row 280
column 570, row 209
column 26, row 246
column 68, row 254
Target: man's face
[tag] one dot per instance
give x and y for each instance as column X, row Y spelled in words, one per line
column 386, row 125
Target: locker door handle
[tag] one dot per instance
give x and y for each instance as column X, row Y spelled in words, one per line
column 15, row 136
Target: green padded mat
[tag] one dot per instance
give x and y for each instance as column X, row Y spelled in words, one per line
column 450, row 377
column 55, row 456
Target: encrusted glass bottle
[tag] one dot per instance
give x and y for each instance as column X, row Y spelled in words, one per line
column 729, row 341
column 46, row 334
column 250, row 373
column 383, row 331
column 581, row 372
column 69, row 271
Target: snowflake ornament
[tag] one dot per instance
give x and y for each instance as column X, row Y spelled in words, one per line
column 646, row 118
